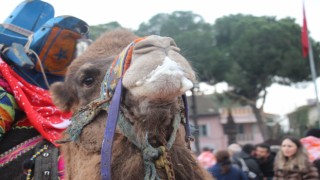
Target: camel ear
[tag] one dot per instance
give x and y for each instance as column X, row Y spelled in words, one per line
column 61, row 96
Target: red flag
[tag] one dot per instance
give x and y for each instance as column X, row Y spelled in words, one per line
column 304, row 36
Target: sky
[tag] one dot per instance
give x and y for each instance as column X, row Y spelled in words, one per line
column 280, row 99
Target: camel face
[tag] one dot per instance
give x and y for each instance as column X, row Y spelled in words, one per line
column 157, row 70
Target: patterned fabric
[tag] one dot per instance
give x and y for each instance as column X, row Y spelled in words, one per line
column 18, row 150
column 22, row 123
column 310, row 174
column 58, row 51
column 119, row 66
column 8, row 107
column 37, row 105
column 312, row 144
column 61, row 169
column 4, row 84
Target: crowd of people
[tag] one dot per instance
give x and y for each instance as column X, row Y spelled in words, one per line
column 296, row 159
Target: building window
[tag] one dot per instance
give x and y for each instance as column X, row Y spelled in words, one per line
column 240, row 129
column 203, row 130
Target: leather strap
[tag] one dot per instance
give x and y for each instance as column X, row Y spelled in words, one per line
column 112, row 118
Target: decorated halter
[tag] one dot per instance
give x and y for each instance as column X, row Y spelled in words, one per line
column 110, row 98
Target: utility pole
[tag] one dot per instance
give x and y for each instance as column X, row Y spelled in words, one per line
column 195, row 120
column 314, row 75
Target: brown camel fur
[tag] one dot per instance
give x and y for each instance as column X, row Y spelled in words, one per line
column 153, row 84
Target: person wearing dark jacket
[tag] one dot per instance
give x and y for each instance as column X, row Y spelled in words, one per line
column 238, row 153
column 265, row 160
column 223, row 170
column 250, row 162
column 249, row 149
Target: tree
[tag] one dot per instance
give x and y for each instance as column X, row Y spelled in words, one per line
column 96, row 31
column 256, row 52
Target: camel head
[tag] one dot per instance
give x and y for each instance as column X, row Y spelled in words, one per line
column 158, row 71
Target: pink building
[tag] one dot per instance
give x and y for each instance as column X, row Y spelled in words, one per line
column 212, row 121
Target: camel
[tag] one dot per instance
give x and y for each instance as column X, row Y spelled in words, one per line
column 150, row 139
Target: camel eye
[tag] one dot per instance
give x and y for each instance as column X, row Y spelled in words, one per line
column 88, row 81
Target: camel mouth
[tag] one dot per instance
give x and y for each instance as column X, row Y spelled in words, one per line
column 168, row 68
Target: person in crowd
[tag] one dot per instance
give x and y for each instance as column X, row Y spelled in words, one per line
column 239, row 156
column 265, row 160
column 316, row 163
column 223, row 170
column 234, row 149
column 315, row 132
column 292, row 162
column 250, row 161
column 249, row 149
column 206, row 158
